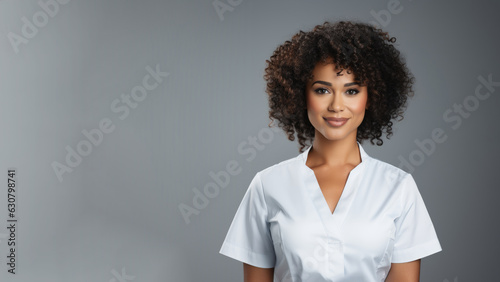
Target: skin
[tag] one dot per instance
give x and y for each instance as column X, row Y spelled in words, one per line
column 257, row 274
column 335, row 93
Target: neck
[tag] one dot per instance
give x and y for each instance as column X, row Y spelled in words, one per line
column 334, row 153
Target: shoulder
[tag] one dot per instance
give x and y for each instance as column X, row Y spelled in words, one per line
column 281, row 171
column 380, row 173
column 389, row 171
column 393, row 180
column 388, row 178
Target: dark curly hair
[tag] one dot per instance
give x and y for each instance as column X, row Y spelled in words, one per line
column 361, row 49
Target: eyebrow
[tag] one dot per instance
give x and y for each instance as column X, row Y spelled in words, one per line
column 329, row 84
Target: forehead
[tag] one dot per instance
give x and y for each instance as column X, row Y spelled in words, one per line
column 329, row 71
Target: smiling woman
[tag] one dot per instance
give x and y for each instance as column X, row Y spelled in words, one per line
column 333, row 96
column 333, row 213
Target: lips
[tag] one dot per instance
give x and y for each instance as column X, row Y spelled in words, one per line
column 335, row 122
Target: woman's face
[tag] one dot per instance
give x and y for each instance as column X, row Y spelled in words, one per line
column 335, row 103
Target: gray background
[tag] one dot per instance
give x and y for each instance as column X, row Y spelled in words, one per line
column 119, row 209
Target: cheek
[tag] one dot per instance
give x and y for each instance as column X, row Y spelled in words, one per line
column 313, row 105
column 359, row 105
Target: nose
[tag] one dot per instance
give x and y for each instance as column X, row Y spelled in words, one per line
column 337, row 103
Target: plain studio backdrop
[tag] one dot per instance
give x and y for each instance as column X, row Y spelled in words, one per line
column 135, row 128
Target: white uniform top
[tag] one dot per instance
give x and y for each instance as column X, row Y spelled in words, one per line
column 285, row 222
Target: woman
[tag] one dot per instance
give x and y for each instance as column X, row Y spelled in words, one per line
column 333, row 213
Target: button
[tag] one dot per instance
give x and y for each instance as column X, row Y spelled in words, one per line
column 335, row 245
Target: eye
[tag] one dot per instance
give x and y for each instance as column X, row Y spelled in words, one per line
column 352, row 92
column 321, row 91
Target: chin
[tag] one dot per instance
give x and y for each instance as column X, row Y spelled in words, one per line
column 335, row 136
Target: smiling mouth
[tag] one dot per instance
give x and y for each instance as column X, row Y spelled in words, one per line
column 336, row 122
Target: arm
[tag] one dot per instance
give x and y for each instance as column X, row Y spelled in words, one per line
column 257, row 274
column 404, row 272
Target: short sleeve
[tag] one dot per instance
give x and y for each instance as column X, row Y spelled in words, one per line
column 249, row 239
column 415, row 236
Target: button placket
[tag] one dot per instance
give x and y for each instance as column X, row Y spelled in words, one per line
column 336, row 258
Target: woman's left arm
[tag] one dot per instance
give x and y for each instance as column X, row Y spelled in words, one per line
column 404, row 272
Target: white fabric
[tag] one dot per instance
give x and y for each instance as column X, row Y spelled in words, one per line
column 285, row 222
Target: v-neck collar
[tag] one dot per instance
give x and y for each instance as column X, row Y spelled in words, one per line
column 364, row 156
column 333, row 221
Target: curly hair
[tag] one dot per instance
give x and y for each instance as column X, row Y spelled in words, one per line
column 363, row 50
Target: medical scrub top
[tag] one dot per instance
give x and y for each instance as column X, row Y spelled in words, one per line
column 285, row 222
